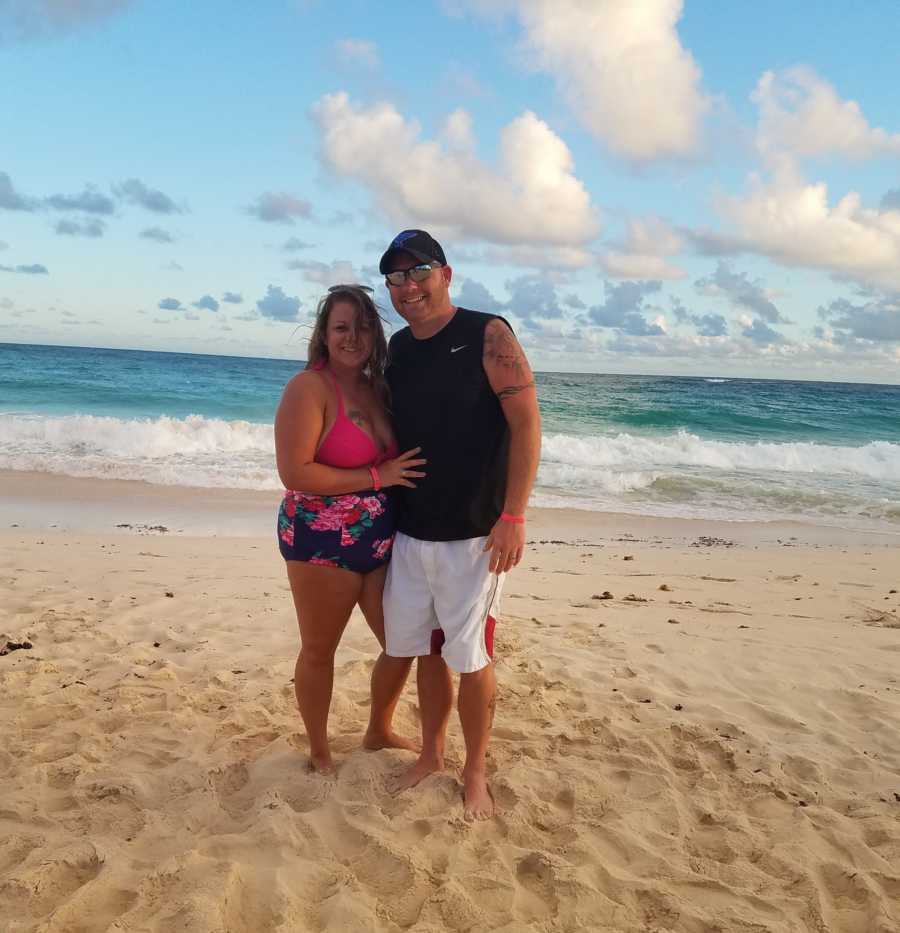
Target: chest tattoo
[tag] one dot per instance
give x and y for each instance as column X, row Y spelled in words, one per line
column 357, row 417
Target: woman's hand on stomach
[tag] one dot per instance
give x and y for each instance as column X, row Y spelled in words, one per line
column 399, row 471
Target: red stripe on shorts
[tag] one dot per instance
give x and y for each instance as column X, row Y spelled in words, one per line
column 489, row 636
column 437, row 638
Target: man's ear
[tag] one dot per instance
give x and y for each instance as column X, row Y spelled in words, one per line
column 448, row 273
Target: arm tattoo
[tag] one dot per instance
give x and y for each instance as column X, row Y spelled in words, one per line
column 514, row 390
column 501, row 348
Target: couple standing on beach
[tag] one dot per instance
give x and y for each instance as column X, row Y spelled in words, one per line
column 420, row 539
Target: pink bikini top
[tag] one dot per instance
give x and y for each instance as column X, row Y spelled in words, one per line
column 346, row 445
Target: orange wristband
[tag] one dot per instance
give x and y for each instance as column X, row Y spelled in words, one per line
column 512, row 519
column 376, row 480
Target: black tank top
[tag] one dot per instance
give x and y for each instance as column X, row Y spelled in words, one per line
column 441, row 401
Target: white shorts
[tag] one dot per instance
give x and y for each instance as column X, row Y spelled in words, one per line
column 441, row 598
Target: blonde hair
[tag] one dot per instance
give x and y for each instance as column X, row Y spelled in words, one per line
column 366, row 313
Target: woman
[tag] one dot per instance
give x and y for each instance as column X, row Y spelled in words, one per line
column 337, row 456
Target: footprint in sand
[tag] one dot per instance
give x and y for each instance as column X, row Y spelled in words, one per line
column 230, row 779
column 840, row 885
column 536, row 876
column 37, row 888
column 564, row 801
column 458, row 910
column 505, row 796
column 398, row 884
column 15, row 848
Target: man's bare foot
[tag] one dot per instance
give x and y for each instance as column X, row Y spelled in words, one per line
column 321, row 764
column 478, row 802
column 418, row 772
column 376, row 740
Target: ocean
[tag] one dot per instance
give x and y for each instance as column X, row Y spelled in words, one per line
column 714, row 448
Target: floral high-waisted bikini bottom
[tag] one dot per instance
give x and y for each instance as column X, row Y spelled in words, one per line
column 354, row 531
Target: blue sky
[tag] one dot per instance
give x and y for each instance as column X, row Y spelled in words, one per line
column 645, row 187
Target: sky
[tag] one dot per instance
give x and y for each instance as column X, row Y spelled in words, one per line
column 637, row 186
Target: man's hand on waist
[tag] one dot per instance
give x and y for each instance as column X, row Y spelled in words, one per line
column 506, row 544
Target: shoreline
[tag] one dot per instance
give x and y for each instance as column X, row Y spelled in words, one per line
column 45, row 502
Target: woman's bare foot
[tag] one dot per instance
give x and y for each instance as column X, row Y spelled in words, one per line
column 418, row 772
column 321, row 764
column 478, row 802
column 376, row 740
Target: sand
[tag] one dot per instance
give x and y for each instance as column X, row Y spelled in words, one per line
column 712, row 747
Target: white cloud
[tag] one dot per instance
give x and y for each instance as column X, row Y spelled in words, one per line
column 360, row 52
column 801, row 114
column 621, row 68
column 339, row 272
column 642, row 254
column 457, row 132
column 639, row 266
column 792, row 222
column 542, row 257
column 532, row 197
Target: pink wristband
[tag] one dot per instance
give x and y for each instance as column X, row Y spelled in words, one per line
column 512, row 519
column 376, row 481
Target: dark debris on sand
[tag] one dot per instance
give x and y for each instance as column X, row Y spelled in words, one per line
column 143, row 529
column 11, row 646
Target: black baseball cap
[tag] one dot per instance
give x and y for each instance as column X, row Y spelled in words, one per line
column 419, row 244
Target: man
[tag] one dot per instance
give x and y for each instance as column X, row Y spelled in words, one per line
column 463, row 391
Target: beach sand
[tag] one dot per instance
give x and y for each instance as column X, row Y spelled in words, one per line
column 697, row 730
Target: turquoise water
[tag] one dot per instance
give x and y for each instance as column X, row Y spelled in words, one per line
column 725, row 409
column 701, row 447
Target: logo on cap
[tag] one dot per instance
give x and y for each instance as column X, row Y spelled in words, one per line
column 401, row 238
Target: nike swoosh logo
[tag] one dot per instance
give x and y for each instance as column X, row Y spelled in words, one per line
column 455, row 349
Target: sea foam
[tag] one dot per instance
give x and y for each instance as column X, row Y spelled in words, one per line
column 191, row 451
column 678, row 473
column 878, row 460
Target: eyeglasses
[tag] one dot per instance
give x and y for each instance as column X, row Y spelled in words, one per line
column 416, row 273
column 343, row 288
